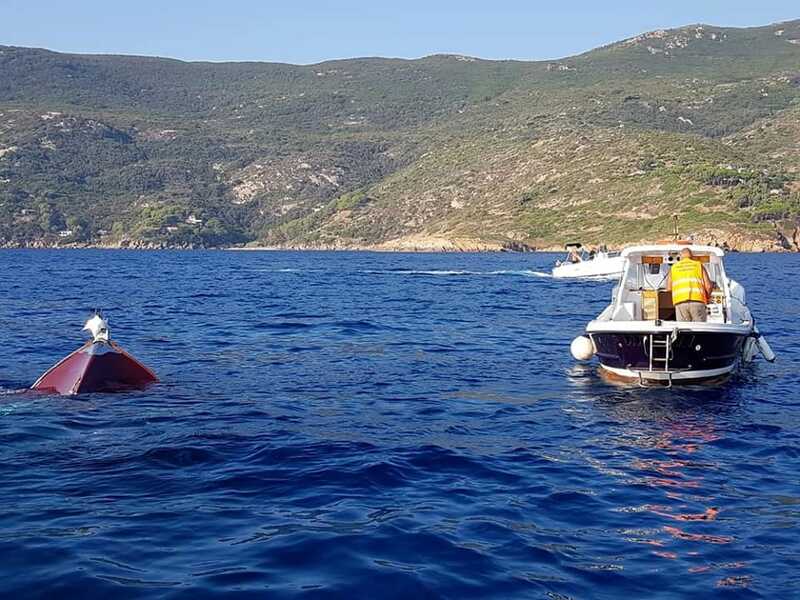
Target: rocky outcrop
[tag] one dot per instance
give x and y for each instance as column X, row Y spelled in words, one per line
column 515, row 246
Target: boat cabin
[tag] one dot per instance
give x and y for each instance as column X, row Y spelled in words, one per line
column 642, row 294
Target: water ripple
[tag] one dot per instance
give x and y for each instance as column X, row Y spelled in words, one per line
column 378, row 425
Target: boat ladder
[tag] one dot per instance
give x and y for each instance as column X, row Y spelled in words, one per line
column 659, row 353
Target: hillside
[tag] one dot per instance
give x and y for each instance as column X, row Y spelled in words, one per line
column 441, row 152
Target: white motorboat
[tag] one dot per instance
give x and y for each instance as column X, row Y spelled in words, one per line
column 581, row 263
column 637, row 337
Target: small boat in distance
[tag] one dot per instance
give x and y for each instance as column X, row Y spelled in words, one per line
column 582, row 263
column 100, row 365
column 638, row 338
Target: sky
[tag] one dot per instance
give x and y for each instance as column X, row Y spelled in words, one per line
column 310, row 31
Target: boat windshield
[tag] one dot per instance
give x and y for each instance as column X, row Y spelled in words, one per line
column 577, row 254
column 652, row 276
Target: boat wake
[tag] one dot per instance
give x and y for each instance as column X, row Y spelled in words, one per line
column 9, row 400
column 442, row 273
column 423, row 272
column 12, row 391
column 286, row 270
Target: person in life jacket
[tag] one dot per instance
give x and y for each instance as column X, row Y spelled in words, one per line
column 691, row 288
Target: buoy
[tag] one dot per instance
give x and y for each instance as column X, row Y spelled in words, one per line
column 582, row 348
column 99, row 365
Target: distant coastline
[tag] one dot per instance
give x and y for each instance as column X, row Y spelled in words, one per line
column 488, row 248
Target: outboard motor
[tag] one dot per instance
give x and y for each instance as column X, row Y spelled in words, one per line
column 100, row 365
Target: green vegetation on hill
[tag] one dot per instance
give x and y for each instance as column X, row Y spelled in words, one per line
column 700, row 121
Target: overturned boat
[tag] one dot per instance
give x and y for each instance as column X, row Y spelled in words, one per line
column 582, row 263
column 638, row 337
column 100, row 365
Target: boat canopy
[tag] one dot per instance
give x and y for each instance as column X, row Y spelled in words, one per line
column 573, row 245
column 671, row 248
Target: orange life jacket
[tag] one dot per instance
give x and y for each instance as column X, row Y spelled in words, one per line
column 687, row 282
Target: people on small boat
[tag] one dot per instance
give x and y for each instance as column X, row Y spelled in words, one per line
column 691, row 288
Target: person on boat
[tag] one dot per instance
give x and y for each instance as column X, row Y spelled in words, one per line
column 691, row 288
column 592, row 254
column 574, row 256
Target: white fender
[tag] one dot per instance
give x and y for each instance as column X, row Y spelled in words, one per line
column 766, row 351
column 749, row 350
column 582, row 348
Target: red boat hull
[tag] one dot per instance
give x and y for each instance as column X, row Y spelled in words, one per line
column 96, row 367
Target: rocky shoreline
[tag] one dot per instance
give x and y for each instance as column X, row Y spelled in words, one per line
column 487, row 247
column 133, row 245
column 781, row 242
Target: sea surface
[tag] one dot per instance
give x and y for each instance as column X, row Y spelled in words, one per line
column 357, row 425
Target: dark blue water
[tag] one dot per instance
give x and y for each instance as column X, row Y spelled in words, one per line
column 382, row 426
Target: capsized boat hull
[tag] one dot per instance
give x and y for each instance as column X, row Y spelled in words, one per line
column 97, row 366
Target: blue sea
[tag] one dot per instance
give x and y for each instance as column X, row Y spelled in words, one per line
column 357, row 425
